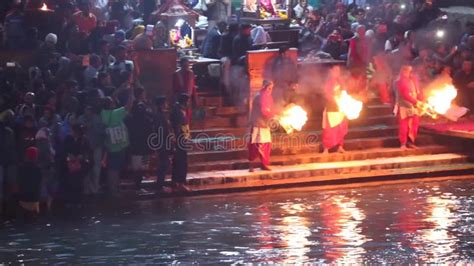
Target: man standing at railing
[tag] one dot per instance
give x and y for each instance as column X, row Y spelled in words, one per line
column 260, row 135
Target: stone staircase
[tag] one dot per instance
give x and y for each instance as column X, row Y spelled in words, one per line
column 217, row 159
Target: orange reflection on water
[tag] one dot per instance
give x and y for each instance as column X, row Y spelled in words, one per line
column 439, row 244
column 295, row 232
column 342, row 234
column 265, row 237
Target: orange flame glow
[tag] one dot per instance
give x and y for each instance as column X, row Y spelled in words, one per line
column 293, row 118
column 44, row 7
column 441, row 99
column 348, row 105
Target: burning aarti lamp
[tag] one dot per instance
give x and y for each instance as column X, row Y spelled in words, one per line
column 45, row 8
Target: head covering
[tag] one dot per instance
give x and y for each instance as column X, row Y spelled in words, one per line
column 43, row 132
column 137, row 30
column 6, row 115
column 51, row 38
column 370, row 33
column 31, row 154
column 259, row 36
column 120, row 34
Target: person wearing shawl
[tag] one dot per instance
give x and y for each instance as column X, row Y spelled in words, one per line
column 357, row 62
column 335, row 124
column 261, row 138
column 409, row 98
column 260, row 38
column 143, row 39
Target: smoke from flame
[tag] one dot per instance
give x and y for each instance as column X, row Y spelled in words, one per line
column 293, row 118
column 349, row 106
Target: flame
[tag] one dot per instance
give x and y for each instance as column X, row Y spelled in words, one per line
column 44, row 7
column 441, row 99
column 293, row 118
column 348, row 105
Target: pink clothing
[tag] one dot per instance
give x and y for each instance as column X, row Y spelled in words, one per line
column 358, row 53
column 334, row 136
column 408, row 129
column 261, row 150
column 262, row 109
column 85, row 23
column 408, row 96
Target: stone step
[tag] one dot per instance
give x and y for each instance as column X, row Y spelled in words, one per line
column 216, row 111
column 235, row 151
column 218, row 134
column 319, row 158
column 210, row 110
column 241, row 120
column 207, row 93
column 230, row 111
column 374, row 120
column 354, row 132
column 447, row 172
column 202, row 142
column 377, row 110
column 327, row 169
column 210, row 100
column 220, row 122
column 438, row 172
column 218, row 131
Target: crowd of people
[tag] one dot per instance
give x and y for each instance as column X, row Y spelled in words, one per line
column 67, row 120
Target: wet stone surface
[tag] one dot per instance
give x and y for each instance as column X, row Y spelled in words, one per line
column 429, row 222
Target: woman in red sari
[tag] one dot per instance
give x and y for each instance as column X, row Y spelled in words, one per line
column 335, row 124
column 260, row 143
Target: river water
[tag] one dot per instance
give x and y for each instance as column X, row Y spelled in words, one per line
column 421, row 222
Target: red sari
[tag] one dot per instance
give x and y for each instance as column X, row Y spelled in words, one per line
column 335, row 124
column 260, row 134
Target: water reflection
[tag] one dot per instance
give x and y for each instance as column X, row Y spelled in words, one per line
column 414, row 223
column 439, row 242
column 342, row 234
column 265, row 237
column 295, row 232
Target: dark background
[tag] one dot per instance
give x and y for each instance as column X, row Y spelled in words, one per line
column 447, row 3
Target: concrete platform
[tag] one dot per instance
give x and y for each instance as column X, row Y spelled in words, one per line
column 450, row 171
column 463, row 129
column 330, row 173
column 326, row 169
column 283, row 148
column 319, row 158
column 354, row 132
column 220, row 142
column 218, row 156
